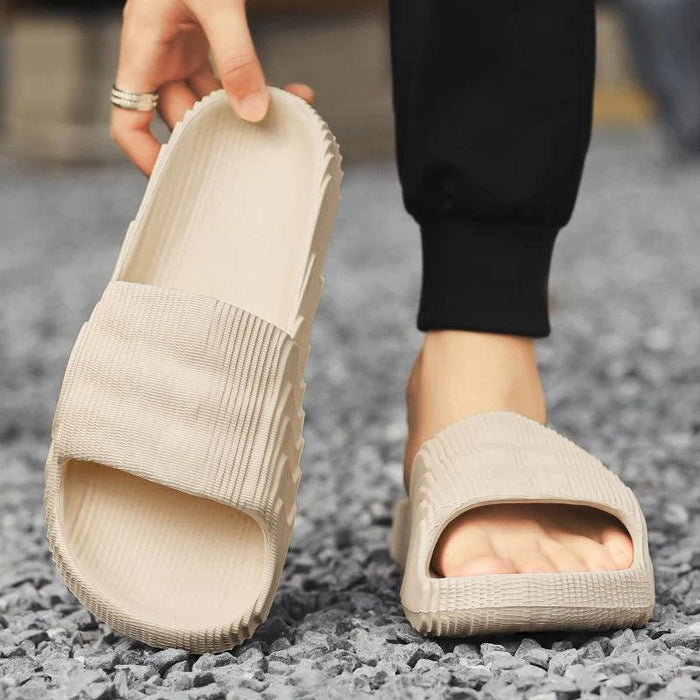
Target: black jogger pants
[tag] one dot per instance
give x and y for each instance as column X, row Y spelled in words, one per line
column 492, row 102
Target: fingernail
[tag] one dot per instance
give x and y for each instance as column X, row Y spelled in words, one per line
column 253, row 107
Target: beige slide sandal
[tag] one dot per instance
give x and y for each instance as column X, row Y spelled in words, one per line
column 501, row 457
column 171, row 480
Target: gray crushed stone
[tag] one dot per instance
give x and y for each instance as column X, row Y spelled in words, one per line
column 622, row 376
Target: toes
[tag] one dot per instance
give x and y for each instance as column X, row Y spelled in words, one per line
column 598, row 558
column 505, row 542
column 465, row 549
column 594, row 555
column 619, row 545
column 561, row 557
column 532, row 560
column 461, row 544
column 482, row 566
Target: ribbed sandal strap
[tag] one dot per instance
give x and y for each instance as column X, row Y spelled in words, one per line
column 186, row 391
column 501, row 457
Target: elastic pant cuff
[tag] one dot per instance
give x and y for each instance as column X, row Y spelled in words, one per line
column 491, row 278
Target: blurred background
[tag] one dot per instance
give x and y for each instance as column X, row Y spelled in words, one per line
column 621, row 368
column 57, row 61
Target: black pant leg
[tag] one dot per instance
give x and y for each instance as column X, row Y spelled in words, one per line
column 492, row 103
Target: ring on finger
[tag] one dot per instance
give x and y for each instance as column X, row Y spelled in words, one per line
column 134, row 101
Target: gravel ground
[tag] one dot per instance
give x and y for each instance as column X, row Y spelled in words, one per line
column 622, row 375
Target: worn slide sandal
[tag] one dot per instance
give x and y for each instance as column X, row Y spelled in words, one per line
column 171, row 480
column 501, row 457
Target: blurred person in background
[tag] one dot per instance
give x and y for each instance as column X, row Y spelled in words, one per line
column 665, row 41
column 493, row 109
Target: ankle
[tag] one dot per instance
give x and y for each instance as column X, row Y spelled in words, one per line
column 489, row 349
column 479, row 372
column 460, row 373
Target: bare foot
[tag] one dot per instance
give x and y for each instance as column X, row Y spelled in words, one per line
column 457, row 374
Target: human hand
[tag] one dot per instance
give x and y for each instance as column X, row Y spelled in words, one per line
column 165, row 47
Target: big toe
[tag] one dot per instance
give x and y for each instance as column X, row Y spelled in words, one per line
column 465, row 550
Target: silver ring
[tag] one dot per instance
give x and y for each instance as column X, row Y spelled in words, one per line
column 135, row 101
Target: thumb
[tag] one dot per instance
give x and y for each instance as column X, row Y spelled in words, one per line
column 234, row 55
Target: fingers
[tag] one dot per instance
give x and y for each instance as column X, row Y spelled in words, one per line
column 177, row 97
column 174, row 100
column 131, row 130
column 237, row 63
column 301, row 90
column 132, row 133
column 203, row 81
